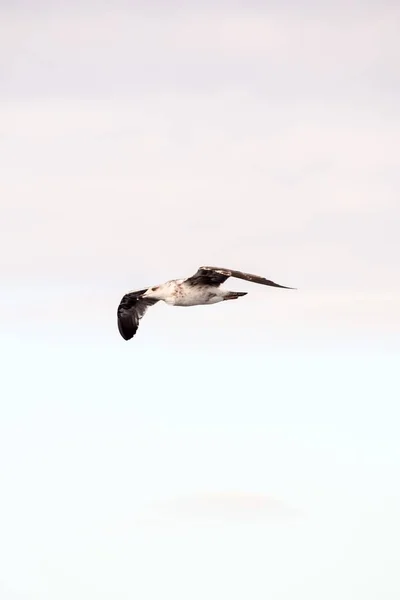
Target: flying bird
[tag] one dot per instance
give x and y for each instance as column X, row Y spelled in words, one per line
column 201, row 288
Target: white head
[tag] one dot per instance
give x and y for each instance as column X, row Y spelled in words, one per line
column 152, row 292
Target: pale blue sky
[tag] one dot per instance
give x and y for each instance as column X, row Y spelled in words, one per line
column 244, row 450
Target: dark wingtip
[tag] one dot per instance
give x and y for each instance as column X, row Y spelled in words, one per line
column 284, row 287
column 127, row 320
column 126, row 328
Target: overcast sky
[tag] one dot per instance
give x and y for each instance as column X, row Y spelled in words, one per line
column 244, row 450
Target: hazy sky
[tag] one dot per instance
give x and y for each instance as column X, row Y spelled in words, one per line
column 245, row 450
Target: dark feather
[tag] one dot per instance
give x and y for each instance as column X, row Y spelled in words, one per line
column 130, row 310
column 205, row 277
column 217, row 275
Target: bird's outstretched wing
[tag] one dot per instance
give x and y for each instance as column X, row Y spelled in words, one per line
column 217, row 275
column 130, row 310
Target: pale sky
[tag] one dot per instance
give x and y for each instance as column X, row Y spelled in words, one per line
column 245, row 450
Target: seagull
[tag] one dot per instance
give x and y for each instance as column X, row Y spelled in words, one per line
column 201, row 288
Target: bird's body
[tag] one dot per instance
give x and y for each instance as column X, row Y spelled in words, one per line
column 179, row 293
column 202, row 288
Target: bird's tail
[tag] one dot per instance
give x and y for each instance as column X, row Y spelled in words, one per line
column 234, row 295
